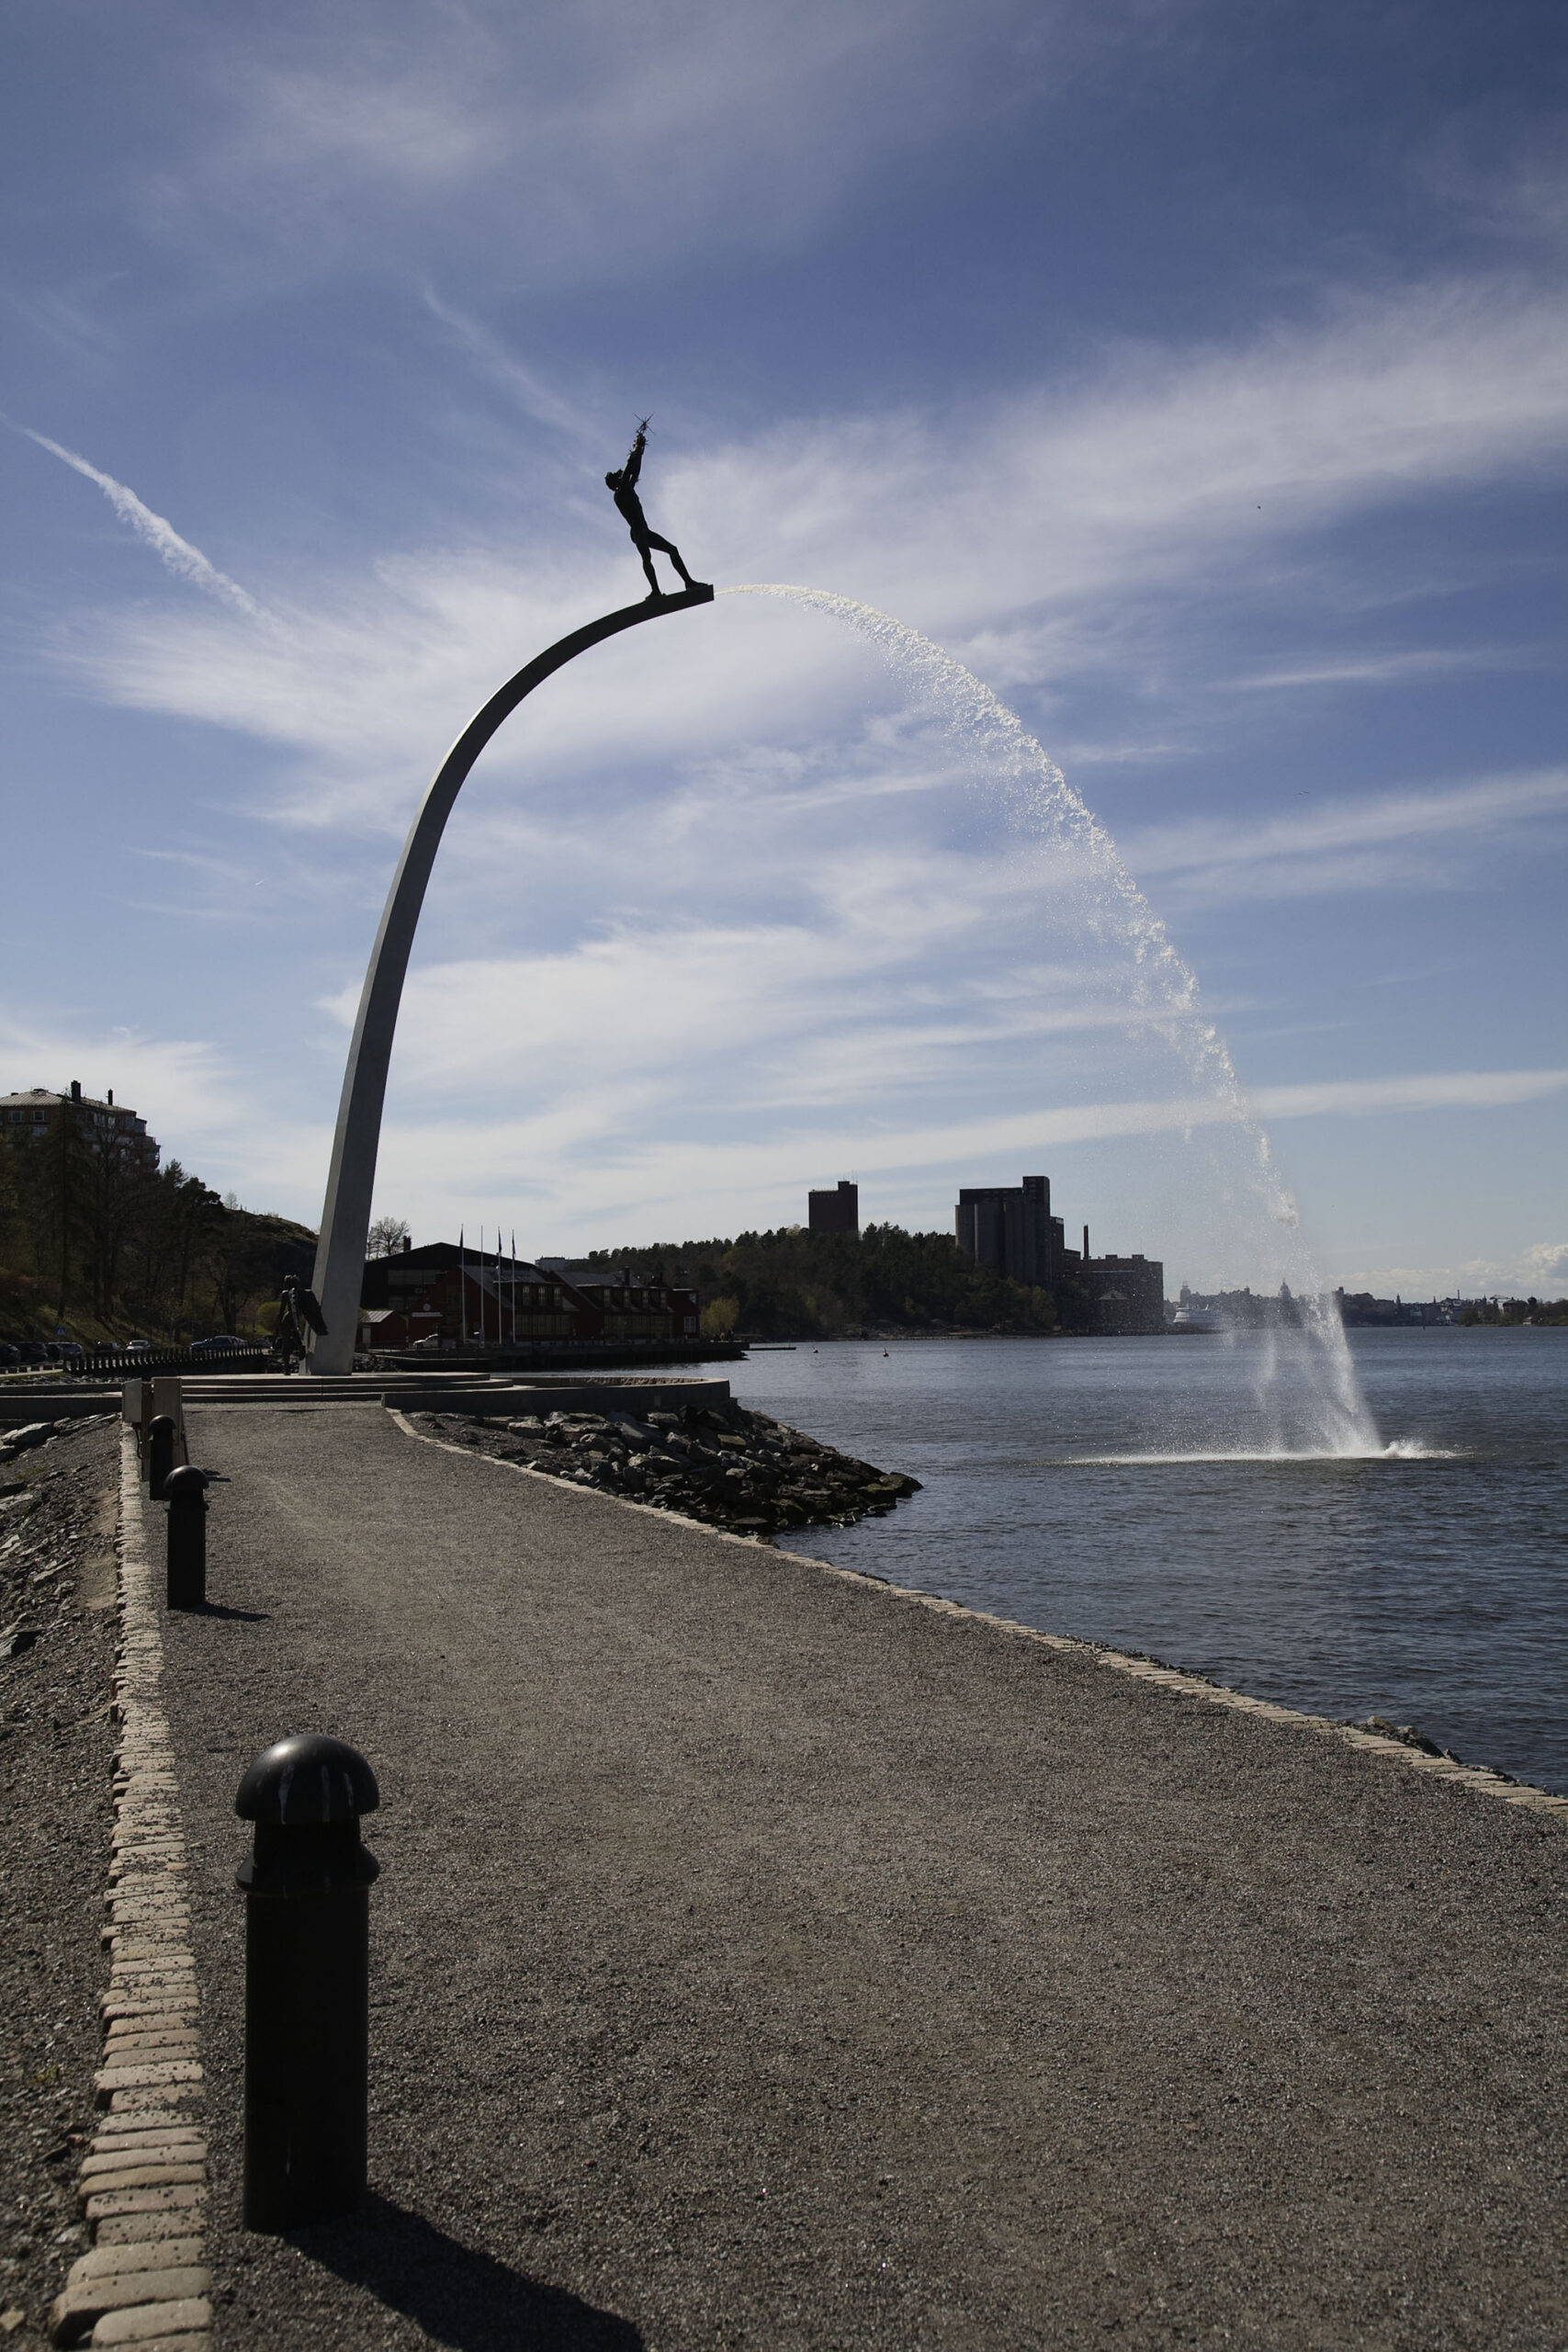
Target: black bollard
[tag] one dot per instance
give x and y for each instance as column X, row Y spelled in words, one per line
column 307, row 1981
column 184, row 1584
column 159, row 1454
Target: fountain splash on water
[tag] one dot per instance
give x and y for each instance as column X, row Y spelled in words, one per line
column 1307, row 1392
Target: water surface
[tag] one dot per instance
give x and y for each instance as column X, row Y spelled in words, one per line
column 1121, row 1490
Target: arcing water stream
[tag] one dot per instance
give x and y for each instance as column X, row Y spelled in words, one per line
column 1308, row 1401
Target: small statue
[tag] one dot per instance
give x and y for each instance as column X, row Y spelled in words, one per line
column 300, row 1322
column 623, row 486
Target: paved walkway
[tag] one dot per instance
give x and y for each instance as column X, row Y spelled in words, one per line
column 764, row 1960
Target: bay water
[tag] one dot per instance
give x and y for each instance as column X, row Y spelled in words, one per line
column 1118, row 1490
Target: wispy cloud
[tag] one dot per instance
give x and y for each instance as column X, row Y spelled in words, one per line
column 611, row 136
column 1038, row 538
column 521, row 383
column 577, row 1170
column 177, row 555
column 1390, row 669
column 1382, row 843
column 1540, row 1271
column 1360, row 1098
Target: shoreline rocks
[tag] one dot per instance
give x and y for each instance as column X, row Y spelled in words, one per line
column 57, row 1655
column 739, row 1470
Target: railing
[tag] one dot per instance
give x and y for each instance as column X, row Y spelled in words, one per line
column 134, row 1363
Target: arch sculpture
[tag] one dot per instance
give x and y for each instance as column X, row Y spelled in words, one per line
column 346, row 1213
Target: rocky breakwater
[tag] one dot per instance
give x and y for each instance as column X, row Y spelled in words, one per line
column 735, row 1469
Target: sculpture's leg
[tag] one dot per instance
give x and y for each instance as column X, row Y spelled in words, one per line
column 346, row 1213
column 668, row 546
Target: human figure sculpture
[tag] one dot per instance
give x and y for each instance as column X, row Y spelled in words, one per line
column 298, row 1322
column 288, row 1339
column 624, row 487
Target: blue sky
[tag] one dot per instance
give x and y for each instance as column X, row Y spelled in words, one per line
column 1198, row 376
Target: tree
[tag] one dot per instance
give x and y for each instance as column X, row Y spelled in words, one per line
column 54, row 1180
column 386, row 1236
column 116, row 1195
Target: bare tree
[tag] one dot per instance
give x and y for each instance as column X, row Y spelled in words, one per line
column 386, row 1236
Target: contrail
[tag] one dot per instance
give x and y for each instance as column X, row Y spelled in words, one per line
column 528, row 389
column 166, row 542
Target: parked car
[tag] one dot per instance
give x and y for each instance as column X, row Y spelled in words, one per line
column 138, row 1347
column 9, row 1355
column 31, row 1352
column 217, row 1343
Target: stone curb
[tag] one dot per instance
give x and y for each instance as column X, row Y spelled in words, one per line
column 1477, row 1778
column 142, row 2185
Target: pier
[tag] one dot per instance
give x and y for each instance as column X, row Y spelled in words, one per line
column 765, row 1956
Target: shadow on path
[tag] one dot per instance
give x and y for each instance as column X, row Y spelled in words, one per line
column 458, row 2297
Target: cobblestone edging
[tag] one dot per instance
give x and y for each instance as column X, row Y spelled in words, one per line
column 1476, row 1777
column 144, row 2183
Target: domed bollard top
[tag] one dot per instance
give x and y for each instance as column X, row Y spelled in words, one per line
column 305, row 1795
column 308, row 1778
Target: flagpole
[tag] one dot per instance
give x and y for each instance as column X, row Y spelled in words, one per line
column 462, row 1290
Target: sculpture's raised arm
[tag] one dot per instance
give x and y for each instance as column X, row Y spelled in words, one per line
column 632, row 466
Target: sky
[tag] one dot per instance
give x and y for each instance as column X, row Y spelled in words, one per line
column 1194, row 375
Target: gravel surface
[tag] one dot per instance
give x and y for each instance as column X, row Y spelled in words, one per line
column 58, row 1513
column 762, row 1958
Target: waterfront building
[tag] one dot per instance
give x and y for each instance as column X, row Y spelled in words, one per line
column 447, row 1297
column 109, row 1126
column 1126, row 1294
column 1010, row 1230
column 835, row 1212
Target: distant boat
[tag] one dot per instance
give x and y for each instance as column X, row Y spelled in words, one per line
column 1196, row 1318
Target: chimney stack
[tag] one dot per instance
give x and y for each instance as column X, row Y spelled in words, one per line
column 1085, row 1245
column 76, row 1090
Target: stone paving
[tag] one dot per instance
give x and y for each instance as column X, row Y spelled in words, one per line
column 766, row 1957
column 143, row 2181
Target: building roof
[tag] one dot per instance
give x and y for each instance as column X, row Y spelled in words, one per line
column 38, row 1098
column 435, row 1257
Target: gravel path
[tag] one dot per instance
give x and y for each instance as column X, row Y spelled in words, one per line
column 57, row 1630
column 762, row 1959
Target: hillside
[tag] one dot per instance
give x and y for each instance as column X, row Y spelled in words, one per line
column 793, row 1285
column 112, row 1251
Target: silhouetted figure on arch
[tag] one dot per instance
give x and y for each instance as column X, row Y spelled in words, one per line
column 623, row 486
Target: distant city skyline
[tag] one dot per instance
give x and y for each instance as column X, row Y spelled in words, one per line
column 1199, row 379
